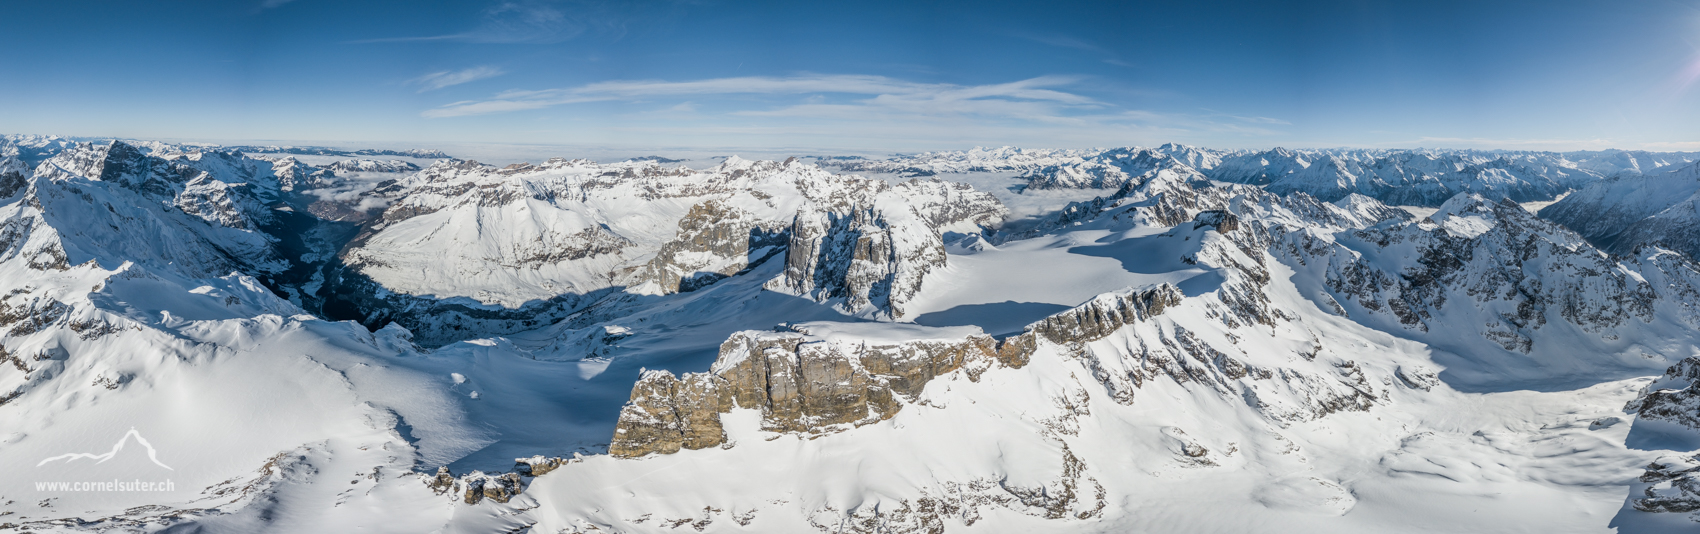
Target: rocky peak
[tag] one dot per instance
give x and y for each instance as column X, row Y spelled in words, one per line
column 14, row 176
column 715, row 240
column 122, row 164
column 293, row 175
column 859, row 256
column 871, row 247
column 223, row 204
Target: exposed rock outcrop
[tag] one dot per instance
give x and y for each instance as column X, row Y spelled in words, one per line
column 1222, row 220
column 809, row 378
column 715, row 241
column 1674, row 397
column 1094, row 320
column 860, row 257
column 476, row 486
column 1673, row 482
column 815, row 378
column 14, row 176
column 537, row 466
column 1673, row 486
column 498, row 488
column 1481, row 254
column 872, row 250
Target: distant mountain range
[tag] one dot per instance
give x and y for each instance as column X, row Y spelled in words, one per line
column 1420, row 177
column 32, row 149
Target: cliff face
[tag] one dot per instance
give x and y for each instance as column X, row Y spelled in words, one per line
column 14, row 176
column 870, row 251
column 715, row 240
column 809, row 378
column 1094, row 320
column 859, row 256
column 823, row 378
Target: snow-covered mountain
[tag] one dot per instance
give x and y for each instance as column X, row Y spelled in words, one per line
column 372, row 165
column 420, row 153
column 33, row 149
column 1630, row 211
column 513, row 244
column 1400, row 177
column 765, row 346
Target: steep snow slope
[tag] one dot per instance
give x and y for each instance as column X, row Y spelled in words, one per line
column 1623, row 213
column 126, row 311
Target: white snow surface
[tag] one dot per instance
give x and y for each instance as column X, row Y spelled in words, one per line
column 137, row 300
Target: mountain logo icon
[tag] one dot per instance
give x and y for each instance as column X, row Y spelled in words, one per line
column 102, row 458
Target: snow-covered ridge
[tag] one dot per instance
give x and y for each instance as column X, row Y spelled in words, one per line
column 1419, row 177
column 1630, row 211
column 34, row 148
column 1198, row 355
column 372, row 165
column 570, row 228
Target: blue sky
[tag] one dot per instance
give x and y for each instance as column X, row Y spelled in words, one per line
column 873, row 76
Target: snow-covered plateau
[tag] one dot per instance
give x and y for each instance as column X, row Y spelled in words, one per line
column 1172, row 339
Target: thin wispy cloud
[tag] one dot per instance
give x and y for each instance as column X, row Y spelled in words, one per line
column 874, row 110
column 1066, row 41
column 1248, row 119
column 439, row 80
column 551, row 21
column 1063, row 41
column 884, row 92
column 509, row 22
